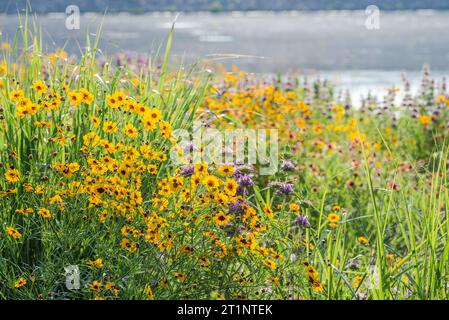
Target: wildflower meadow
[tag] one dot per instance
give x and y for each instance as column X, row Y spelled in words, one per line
column 101, row 197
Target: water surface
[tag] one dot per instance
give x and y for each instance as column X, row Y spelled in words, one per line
column 335, row 43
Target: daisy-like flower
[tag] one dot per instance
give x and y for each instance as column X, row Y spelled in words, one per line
column 362, row 240
column 153, row 115
column 97, row 263
column 180, row 276
column 86, row 96
column 67, row 169
column 425, row 119
column 131, row 131
column 149, row 293
column 96, row 286
column 226, row 170
column 152, row 169
column 204, row 261
column 317, row 286
column 75, row 98
column 20, row 283
column 129, row 245
column 268, row 211
column 13, row 232
column 120, row 97
column 39, row 87
column 95, row 121
column 110, row 127
column 211, row 182
column 231, row 187
column 25, row 211
column 333, row 217
column 113, row 101
column 269, row 263
column 166, row 129
column 16, row 96
column 44, row 213
column 12, row 175
column 221, row 219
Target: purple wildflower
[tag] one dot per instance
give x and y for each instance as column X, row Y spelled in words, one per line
column 363, row 296
column 187, row 170
column 287, row 165
column 302, row 221
column 284, row 188
column 244, row 180
column 235, row 207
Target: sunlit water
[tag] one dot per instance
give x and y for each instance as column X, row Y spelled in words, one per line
column 336, row 44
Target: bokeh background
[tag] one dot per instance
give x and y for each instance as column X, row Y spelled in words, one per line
column 319, row 38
